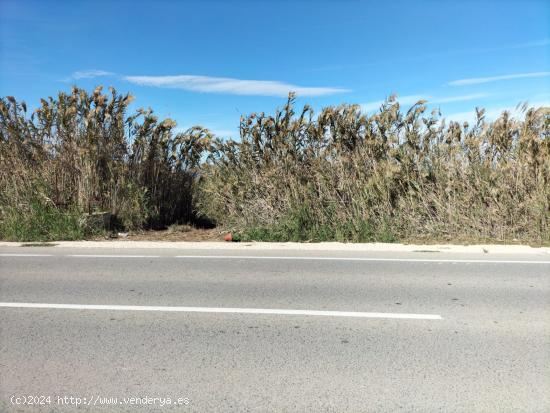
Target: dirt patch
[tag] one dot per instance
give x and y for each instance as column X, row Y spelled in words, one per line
column 38, row 244
column 183, row 234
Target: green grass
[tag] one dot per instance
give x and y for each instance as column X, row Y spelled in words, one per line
column 41, row 223
column 302, row 225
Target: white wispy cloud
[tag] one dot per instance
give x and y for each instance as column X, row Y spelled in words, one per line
column 226, row 85
column 479, row 80
column 412, row 99
column 495, row 112
column 90, row 74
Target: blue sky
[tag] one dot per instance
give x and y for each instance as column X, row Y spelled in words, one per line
column 207, row 62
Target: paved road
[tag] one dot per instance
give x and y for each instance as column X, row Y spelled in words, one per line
column 489, row 351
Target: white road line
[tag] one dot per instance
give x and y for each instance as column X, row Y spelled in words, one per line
column 257, row 257
column 25, row 255
column 223, row 310
column 111, row 256
column 253, row 257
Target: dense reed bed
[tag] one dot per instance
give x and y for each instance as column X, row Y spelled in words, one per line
column 82, row 153
column 293, row 175
column 342, row 175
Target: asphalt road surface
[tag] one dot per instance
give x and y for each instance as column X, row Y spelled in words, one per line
column 272, row 331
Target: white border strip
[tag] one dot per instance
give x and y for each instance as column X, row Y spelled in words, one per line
column 328, row 247
column 224, row 310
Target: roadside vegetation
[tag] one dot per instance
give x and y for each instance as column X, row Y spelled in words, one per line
column 293, row 175
column 81, row 157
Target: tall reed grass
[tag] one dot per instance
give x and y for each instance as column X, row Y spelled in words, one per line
column 343, row 175
column 83, row 153
column 294, row 175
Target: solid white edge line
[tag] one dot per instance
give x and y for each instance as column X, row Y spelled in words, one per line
column 25, row 255
column 225, row 310
column 111, row 256
column 255, row 257
column 248, row 257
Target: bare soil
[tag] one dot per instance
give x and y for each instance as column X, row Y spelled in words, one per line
column 187, row 234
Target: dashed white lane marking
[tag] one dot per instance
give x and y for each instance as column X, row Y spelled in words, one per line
column 224, row 310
